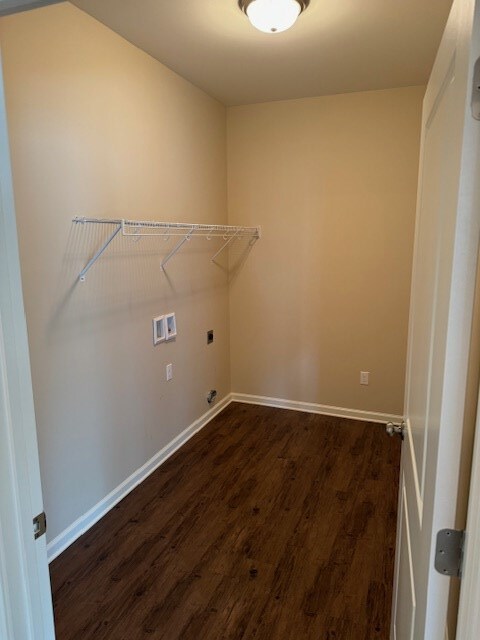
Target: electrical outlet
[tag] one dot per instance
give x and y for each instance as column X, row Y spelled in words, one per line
column 169, row 372
column 210, row 336
column 364, row 377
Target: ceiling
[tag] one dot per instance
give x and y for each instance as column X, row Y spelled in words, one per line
column 337, row 46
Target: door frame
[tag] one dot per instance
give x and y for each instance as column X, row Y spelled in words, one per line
column 469, row 608
column 25, row 597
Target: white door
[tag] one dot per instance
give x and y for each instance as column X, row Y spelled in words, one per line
column 25, row 598
column 446, row 245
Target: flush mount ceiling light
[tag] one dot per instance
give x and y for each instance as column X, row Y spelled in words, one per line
column 273, row 16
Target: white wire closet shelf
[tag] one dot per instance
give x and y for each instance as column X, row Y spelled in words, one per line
column 137, row 229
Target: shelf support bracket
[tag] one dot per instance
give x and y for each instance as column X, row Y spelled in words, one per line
column 224, row 246
column 91, row 262
column 176, row 248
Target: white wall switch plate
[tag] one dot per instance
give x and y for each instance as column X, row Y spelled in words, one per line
column 364, row 377
column 169, row 372
column 159, row 329
column 170, row 326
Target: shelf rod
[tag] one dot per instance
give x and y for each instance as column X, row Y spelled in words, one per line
column 172, row 227
column 177, row 248
column 91, row 262
column 226, row 244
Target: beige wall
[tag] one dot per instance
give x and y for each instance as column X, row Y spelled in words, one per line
column 99, row 128
column 332, row 181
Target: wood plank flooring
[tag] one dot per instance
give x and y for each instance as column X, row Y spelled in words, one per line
column 268, row 525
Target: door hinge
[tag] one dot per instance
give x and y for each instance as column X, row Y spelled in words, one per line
column 39, row 525
column 449, row 552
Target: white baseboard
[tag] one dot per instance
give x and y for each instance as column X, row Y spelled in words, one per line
column 311, row 407
column 80, row 526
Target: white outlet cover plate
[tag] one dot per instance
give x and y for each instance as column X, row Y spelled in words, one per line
column 364, row 377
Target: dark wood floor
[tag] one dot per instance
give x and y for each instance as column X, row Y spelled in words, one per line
column 269, row 524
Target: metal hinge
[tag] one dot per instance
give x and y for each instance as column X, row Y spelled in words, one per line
column 39, row 525
column 449, row 552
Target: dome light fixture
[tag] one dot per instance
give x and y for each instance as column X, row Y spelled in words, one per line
column 273, row 16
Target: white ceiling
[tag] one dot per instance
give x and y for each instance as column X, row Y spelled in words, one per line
column 337, row 46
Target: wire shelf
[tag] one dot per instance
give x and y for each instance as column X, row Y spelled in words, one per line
column 137, row 229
